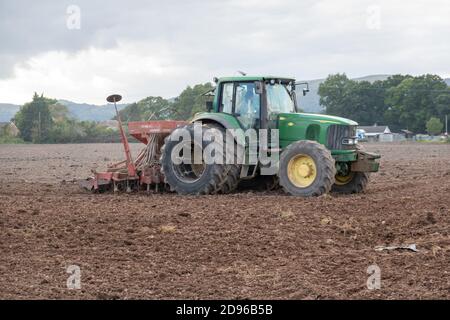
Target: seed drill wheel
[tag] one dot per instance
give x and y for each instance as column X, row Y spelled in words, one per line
column 201, row 178
column 306, row 169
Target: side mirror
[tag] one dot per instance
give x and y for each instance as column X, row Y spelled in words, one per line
column 209, row 106
column 305, row 90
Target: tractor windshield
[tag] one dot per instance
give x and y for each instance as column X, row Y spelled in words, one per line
column 279, row 100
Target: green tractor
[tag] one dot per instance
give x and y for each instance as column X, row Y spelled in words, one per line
column 315, row 153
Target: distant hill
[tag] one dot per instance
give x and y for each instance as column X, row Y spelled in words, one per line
column 7, row 111
column 81, row 111
column 92, row 112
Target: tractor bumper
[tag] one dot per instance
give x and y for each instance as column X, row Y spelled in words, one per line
column 366, row 162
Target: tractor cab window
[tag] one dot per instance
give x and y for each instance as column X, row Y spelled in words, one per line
column 226, row 104
column 279, row 99
column 247, row 104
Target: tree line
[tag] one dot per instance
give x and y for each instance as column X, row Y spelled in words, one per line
column 418, row 104
column 189, row 102
column 44, row 120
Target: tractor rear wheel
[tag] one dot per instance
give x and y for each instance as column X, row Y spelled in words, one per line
column 353, row 182
column 196, row 179
column 306, row 169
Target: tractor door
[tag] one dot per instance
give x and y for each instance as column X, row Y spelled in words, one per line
column 242, row 100
column 279, row 100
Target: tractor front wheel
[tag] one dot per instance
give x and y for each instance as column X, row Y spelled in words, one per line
column 306, row 169
column 353, row 182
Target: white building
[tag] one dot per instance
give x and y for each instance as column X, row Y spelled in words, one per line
column 377, row 133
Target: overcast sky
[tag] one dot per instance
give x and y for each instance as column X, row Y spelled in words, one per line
column 142, row 48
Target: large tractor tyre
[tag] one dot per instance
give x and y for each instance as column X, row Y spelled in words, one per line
column 306, row 169
column 196, row 179
column 353, row 182
column 230, row 180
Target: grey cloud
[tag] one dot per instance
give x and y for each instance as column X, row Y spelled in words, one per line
column 226, row 35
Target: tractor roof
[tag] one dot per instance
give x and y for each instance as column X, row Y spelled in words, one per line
column 254, row 78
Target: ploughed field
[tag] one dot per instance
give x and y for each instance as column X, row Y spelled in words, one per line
column 249, row 245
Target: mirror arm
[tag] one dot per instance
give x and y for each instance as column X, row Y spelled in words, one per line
column 305, row 90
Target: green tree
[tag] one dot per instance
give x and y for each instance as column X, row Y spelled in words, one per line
column 190, row 101
column 334, row 94
column 443, row 104
column 154, row 108
column 4, row 131
column 67, row 131
column 434, row 126
column 401, row 101
column 130, row 113
column 59, row 112
column 392, row 81
column 358, row 100
column 414, row 100
column 366, row 103
column 34, row 119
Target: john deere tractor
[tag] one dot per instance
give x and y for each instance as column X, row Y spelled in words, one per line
column 316, row 153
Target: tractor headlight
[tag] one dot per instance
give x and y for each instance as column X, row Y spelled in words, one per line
column 349, row 141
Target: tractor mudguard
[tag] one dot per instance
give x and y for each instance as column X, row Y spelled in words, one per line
column 366, row 162
column 225, row 120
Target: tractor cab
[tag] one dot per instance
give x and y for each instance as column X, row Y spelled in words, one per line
column 256, row 102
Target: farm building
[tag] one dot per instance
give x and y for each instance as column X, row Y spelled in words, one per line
column 9, row 128
column 377, row 133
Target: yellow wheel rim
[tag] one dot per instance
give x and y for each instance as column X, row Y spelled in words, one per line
column 302, row 171
column 342, row 180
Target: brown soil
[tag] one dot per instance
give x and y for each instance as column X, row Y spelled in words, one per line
column 257, row 245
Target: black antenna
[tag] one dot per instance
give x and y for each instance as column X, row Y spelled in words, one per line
column 242, row 73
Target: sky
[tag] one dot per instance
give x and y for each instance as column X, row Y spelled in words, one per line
column 83, row 50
